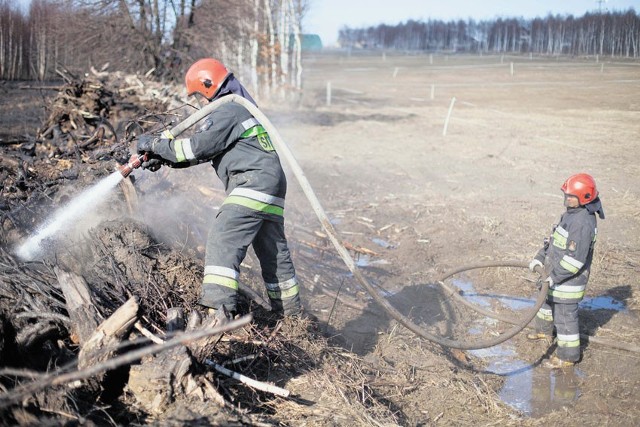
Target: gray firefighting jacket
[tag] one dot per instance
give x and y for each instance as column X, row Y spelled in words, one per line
column 243, row 156
column 567, row 256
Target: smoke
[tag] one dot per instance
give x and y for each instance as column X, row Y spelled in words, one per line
column 178, row 206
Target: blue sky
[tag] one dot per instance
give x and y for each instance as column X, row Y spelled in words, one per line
column 326, row 17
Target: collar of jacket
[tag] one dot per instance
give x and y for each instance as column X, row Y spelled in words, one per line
column 595, row 207
column 575, row 210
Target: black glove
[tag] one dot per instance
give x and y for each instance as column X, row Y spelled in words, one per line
column 146, row 143
column 153, row 164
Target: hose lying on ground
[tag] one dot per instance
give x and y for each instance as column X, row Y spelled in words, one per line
column 454, row 293
column 283, row 149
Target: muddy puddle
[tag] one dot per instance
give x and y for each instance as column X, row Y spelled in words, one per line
column 530, row 388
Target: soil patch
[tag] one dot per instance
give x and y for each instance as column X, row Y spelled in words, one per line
column 411, row 202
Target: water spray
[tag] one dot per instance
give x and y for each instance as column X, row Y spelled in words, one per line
column 88, row 199
column 64, row 217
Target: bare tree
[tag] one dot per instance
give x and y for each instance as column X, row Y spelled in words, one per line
column 613, row 33
column 14, row 42
column 260, row 40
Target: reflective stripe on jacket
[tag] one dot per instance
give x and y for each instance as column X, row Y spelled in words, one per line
column 568, row 256
column 240, row 150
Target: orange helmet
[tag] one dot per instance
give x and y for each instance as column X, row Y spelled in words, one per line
column 581, row 185
column 205, row 77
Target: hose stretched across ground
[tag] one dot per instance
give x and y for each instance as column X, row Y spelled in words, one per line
column 283, row 150
column 454, row 293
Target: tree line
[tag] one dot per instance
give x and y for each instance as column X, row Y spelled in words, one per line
column 260, row 40
column 611, row 33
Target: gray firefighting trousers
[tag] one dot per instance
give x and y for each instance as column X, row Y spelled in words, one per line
column 565, row 319
column 229, row 238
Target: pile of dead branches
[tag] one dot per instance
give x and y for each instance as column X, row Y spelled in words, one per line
column 71, row 347
column 86, row 108
column 113, row 336
column 85, row 135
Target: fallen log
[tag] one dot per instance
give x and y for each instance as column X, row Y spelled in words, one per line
column 83, row 314
column 102, row 344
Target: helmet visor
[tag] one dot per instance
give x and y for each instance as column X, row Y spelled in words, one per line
column 201, row 100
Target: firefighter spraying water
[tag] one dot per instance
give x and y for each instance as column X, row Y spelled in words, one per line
column 239, row 148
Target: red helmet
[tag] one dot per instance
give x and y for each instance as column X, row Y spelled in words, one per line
column 205, row 77
column 581, row 185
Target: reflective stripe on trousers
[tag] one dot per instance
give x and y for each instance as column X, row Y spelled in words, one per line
column 565, row 319
column 229, row 238
column 285, row 296
column 286, row 289
column 256, row 200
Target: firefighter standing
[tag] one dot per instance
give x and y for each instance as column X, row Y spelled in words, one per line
column 244, row 158
column 566, row 258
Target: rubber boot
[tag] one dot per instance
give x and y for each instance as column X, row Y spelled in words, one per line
column 221, row 315
column 539, row 336
column 555, row 362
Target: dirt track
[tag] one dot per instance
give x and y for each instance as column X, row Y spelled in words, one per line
column 425, row 203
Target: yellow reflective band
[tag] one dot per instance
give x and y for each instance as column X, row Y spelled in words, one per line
column 566, row 295
column 287, row 293
column 254, row 204
column 562, row 343
column 256, row 130
column 180, row 157
column 570, row 268
column 559, row 241
column 545, row 317
column 167, row 134
column 220, row 280
column 263, row 137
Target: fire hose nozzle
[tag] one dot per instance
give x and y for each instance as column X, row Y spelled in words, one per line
column 134, row 163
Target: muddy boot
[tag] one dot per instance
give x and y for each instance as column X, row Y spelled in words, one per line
column 286, row 307
column 555, row 362
column 221, row 315
column 539, row 336
column 285, row 298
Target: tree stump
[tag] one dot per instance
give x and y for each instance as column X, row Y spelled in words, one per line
column 157, row 380
column 98, row 341
column 161, row 379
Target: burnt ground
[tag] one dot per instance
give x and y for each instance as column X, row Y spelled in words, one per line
column 417, row 203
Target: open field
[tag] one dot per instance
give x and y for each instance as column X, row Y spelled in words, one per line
column 418, row 202
column 488, row 190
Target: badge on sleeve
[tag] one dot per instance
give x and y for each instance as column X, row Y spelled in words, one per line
column 206, row 124
column 572, row 246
